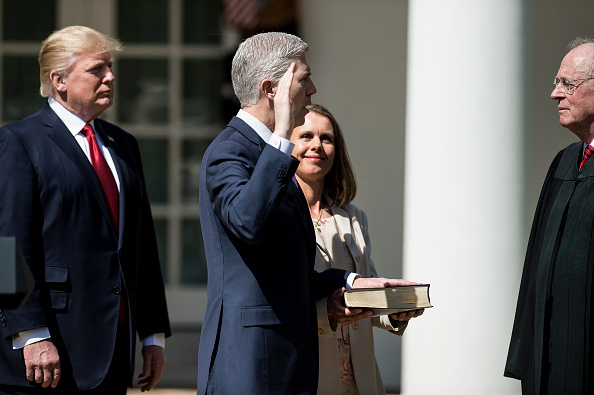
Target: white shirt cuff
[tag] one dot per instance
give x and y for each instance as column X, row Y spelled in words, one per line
column 28, row 337
column 281, row 144
column 350, row 279
column 35, row 335
column 157, row 339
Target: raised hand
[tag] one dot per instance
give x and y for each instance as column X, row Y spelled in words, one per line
column 283, row 106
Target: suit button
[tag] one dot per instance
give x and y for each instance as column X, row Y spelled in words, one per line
column 116, row 290
column 320, row 332
column 355, row 326
column 358, row 258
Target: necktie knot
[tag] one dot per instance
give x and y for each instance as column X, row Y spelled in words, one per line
column 587, row 154
column 87, row 130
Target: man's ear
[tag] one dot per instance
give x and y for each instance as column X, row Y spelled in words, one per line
column 267, row 89
column 58, row 81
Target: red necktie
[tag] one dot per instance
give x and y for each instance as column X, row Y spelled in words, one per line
column 587, row 154
column 110, row 189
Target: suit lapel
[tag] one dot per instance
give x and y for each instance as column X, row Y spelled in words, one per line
column 346, row 229
column 61, row 136
column 343, row 223
column 245, row 129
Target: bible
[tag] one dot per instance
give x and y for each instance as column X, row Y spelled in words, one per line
column 385, row 301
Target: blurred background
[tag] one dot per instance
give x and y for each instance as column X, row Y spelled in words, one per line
column 446, row 110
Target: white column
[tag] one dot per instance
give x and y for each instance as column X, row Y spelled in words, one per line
column 463, row 228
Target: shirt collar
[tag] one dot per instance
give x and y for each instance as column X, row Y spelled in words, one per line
column 72, row 121
column 255, row 124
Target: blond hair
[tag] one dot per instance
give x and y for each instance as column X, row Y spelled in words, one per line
column 60, row 50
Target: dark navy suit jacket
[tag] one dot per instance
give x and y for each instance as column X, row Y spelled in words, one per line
column 259, row 334
column 52, row 201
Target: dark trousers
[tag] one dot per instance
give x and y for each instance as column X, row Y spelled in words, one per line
column 115, row 383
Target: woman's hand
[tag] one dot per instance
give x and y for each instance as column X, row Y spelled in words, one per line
column 407, row 315
column 338, row 312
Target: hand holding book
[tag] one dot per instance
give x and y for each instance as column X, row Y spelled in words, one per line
column 407, row 315
column 390, row 301
column 340, row 310
column 380, row 282
column 338, row 313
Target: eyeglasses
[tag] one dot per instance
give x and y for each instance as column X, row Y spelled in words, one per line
column 569, row 86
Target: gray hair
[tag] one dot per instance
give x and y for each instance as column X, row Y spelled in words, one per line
column 264, row 55
column 587, row 62
column 60, row 50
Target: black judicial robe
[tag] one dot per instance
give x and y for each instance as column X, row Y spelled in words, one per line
column 551, row 344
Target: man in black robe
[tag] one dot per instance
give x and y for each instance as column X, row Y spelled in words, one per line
column 551, row 340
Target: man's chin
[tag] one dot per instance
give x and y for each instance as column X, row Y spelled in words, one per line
column 105, row 103
column 563, row 121
column 299, row 119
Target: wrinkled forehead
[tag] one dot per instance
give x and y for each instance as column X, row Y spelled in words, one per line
column 575, row 63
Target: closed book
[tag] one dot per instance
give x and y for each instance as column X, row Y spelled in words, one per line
column 383, row 301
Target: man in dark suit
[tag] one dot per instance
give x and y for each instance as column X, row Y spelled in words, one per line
column 259, row 333
column 552, row 338
column 73, row 193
